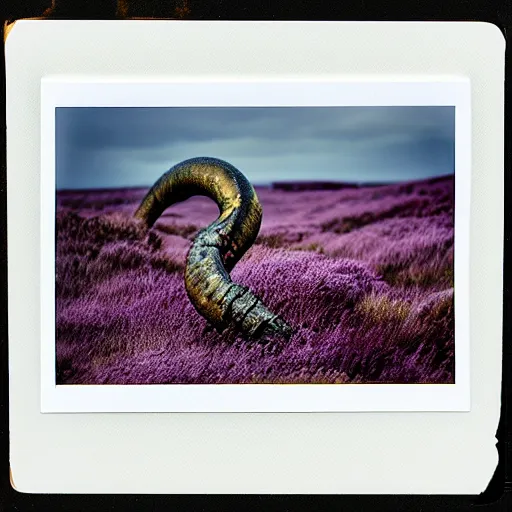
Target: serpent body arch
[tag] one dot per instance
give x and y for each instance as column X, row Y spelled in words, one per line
column 218, row 247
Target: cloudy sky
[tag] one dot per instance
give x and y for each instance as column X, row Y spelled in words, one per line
column 126, row 147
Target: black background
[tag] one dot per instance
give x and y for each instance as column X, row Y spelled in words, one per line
column 498, row 495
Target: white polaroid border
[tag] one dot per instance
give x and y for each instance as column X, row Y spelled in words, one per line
column 363, row 90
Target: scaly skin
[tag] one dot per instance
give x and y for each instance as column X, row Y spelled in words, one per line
column 218, row 247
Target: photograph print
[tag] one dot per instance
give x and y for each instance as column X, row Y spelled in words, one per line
column 254, row 245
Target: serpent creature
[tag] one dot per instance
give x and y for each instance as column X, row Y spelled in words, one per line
column 218, row 247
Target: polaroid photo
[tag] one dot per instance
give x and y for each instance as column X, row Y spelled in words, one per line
column 374, row 155
column 255, row 246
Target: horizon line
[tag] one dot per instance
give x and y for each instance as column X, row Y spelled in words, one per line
column 269, row 184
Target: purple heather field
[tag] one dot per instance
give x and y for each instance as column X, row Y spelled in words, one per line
column 364, row 275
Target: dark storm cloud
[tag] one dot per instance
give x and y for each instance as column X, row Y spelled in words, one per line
column 99, row 147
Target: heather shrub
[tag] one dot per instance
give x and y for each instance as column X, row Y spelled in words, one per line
column 381, row 308
column 185, row 231
column 273, row 241
column 437, row 306
column 437, row 273
column 314, row 246
column 276, row 238
column 405, row 252
column 93, row 250
column 306, row 285
column 364, row 276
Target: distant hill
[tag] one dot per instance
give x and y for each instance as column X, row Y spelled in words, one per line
column 311, row 185
column 340, row 185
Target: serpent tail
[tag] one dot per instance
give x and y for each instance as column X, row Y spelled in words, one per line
column 218, row 247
